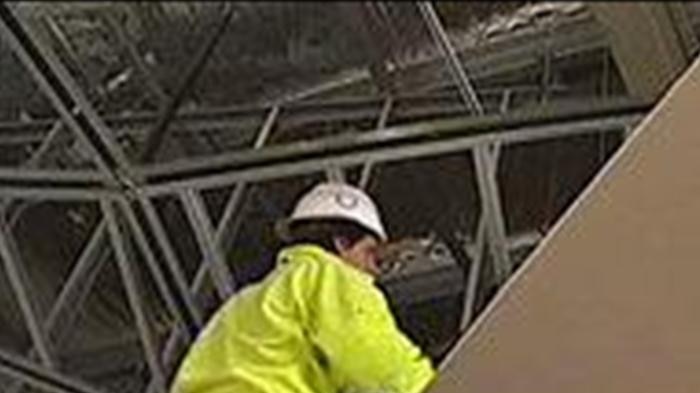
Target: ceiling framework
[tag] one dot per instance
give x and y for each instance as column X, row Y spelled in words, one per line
column 149, row 191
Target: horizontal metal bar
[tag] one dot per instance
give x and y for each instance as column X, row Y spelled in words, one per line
column 401, row 142
column 22, row 191
column 395, row 143
column 248, row 117
column 41, row 377
column 417, row 150
column 28, row 183
column 52, row 175
column 423, row 131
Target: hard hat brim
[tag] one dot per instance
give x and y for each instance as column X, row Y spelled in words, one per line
column 284, row 231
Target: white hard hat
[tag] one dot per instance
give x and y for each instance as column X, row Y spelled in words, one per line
column 339, row 200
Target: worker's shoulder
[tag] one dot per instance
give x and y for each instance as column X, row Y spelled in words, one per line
column 308, row 255
column 314, row 260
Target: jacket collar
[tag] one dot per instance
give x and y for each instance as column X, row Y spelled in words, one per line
column 297, row 251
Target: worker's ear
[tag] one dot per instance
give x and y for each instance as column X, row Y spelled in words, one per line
column 341, row 244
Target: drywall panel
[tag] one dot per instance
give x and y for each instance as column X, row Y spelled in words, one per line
column 610, row 302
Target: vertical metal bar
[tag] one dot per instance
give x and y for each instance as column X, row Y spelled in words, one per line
column 225, row 229
column 473, row 276
column 11, row 258
column 381, row 124
column 168, row 354
column 152, row 264
column 605, row 77
column 199, row 219
column 335, row 174
column 171, row 260
column 505, row 101
column 486, row 178
column 167, row 357
column 492, row 210
column 475, row 267
column 466, row 90
column 133, row 295
column 547, row 67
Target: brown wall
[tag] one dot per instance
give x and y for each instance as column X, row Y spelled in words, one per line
column 611, row 301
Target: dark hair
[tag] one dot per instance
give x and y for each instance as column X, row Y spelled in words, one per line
column 323, row 232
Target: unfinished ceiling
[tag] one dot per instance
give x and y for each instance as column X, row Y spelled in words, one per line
column 147, row 149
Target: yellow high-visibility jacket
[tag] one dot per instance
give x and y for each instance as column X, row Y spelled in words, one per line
column 314, row 325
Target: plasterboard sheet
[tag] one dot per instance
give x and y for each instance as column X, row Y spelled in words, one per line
column 610, row 301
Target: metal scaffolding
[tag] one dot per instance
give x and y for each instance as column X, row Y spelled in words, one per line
column 125, row 189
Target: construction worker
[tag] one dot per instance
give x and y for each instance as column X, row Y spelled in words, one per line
column 316, row 323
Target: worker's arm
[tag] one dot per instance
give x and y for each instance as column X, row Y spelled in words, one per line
column 350, row 323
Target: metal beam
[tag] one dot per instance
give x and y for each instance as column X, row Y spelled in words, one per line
column 72, row 295
column 400, row 142
column 129, row 280
column 28, row 183
column 335, row 174
column 14, row 267
column 476, row 251
column 404, row 141
column 203, row 121
column 64, row 93
column 224, row 236
column 571, row 37
column 473, row 275
column 580, row 33
column 196, row 212
column 171, row 304
column 57, row 32
column 485, row 156
column 381, row 124
column 224, row 230
column 561, row 112
column 41, row 377
column 79, row 283
column 491, row 210
column 466, row 90
column 157, row 134
column 171, row 260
